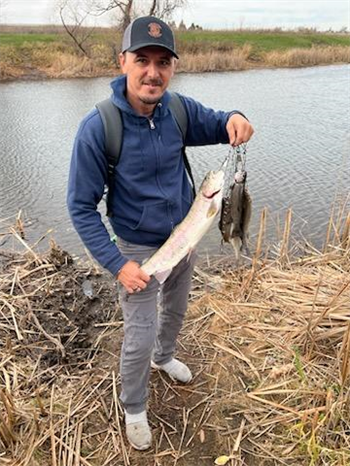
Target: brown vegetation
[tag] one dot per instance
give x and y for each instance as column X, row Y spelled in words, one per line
column 47, row 52
column 308, row 57
column 200, row 62
column 268, row 345
column 45, row 62
column 55, row 61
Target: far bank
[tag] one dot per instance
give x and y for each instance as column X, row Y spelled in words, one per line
column 47, row 52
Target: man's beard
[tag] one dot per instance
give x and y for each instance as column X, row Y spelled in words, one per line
column 149, row 100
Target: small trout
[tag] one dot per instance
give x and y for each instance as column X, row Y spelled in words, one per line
column 236, row 213
column 190, row 231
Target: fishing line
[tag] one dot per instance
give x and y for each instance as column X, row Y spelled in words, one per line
column 236, row 160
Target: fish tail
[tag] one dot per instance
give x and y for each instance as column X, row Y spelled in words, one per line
column 237, row 246
column 245, row 245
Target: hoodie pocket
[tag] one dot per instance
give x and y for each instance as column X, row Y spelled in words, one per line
column 154, row 218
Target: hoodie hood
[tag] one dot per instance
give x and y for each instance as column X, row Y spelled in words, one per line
column 118, row 97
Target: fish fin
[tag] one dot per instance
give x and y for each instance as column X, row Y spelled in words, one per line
column 162, row 276
column 214, row 208
column 212, row 211
column 189, row 254
column 245, row 246
column 246, row 216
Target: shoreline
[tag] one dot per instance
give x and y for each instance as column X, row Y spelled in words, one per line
column 34, row 74
column 46, row 53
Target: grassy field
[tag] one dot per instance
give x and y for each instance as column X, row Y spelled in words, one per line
column 262, row 41
column 17, row 40
column 49, row 52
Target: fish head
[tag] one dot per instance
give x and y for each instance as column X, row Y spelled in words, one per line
column 212, row 191
column 213, row 184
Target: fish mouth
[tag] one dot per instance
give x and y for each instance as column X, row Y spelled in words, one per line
column 211, row 196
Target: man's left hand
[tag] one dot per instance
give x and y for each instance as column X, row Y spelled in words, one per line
column 238, row 129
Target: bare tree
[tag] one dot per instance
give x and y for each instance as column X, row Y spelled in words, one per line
column 127, row 10
column 73, row 15
column 165, row 9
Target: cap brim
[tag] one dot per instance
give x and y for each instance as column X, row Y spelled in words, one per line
column 150, row 44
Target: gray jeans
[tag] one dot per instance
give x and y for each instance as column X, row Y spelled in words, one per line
column 149, row 334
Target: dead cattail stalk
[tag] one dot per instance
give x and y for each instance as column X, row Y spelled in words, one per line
column 35, row 256
column 54, row 340
column 116, row 409
column 262, row 227
column 78, row 444
column 7, row 427
column 345, row 236
column 52, row 431
column 283, row 256
column 40, row 403
column 13, row 312
column 70, row 449
column 344, row 357
column 309, row 333
column 19, row 225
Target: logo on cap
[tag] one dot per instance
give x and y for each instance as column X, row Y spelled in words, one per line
column 154, row 30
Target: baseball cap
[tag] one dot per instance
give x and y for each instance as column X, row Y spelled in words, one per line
column 147, row 31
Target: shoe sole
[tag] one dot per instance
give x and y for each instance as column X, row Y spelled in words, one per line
column 143, row 447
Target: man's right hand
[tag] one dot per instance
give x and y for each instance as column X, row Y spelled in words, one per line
column 132, row 277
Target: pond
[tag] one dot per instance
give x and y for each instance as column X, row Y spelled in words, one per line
column 299, row 157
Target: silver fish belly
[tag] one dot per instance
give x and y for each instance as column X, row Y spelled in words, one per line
column 190, row 231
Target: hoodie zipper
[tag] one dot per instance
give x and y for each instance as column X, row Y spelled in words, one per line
column 153, row 126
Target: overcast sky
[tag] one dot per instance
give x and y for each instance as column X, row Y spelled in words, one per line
column 322, row 14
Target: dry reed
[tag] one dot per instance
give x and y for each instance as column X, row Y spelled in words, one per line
column 268, row 345
column 308, row 57
column 58, row 60
column 236, row 59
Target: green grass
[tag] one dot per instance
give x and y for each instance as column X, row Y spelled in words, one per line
column 17, row 40
column 263, row 41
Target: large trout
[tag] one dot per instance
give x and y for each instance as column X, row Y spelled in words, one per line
column 190, row 231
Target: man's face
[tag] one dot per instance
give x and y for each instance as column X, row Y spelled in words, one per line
column 148, row 71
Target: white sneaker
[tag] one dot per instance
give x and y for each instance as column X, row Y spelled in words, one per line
column 176, row 370
column 138, row 431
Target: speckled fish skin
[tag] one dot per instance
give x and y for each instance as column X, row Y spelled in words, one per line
column 190, row 231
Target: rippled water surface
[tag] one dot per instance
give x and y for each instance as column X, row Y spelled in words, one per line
column 299, row 156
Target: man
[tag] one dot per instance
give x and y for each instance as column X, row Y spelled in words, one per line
column 151, row 196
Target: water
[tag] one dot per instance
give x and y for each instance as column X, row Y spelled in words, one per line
column 299, row 156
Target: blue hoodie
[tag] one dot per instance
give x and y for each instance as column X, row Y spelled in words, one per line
column 152, row 193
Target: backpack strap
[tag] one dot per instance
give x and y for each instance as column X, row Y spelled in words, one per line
column 113, row 128
column 178, row 110
column 179, row 113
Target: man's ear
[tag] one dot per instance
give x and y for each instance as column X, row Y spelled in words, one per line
column 175, row 60
column 175, row 64
column 122, row 59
